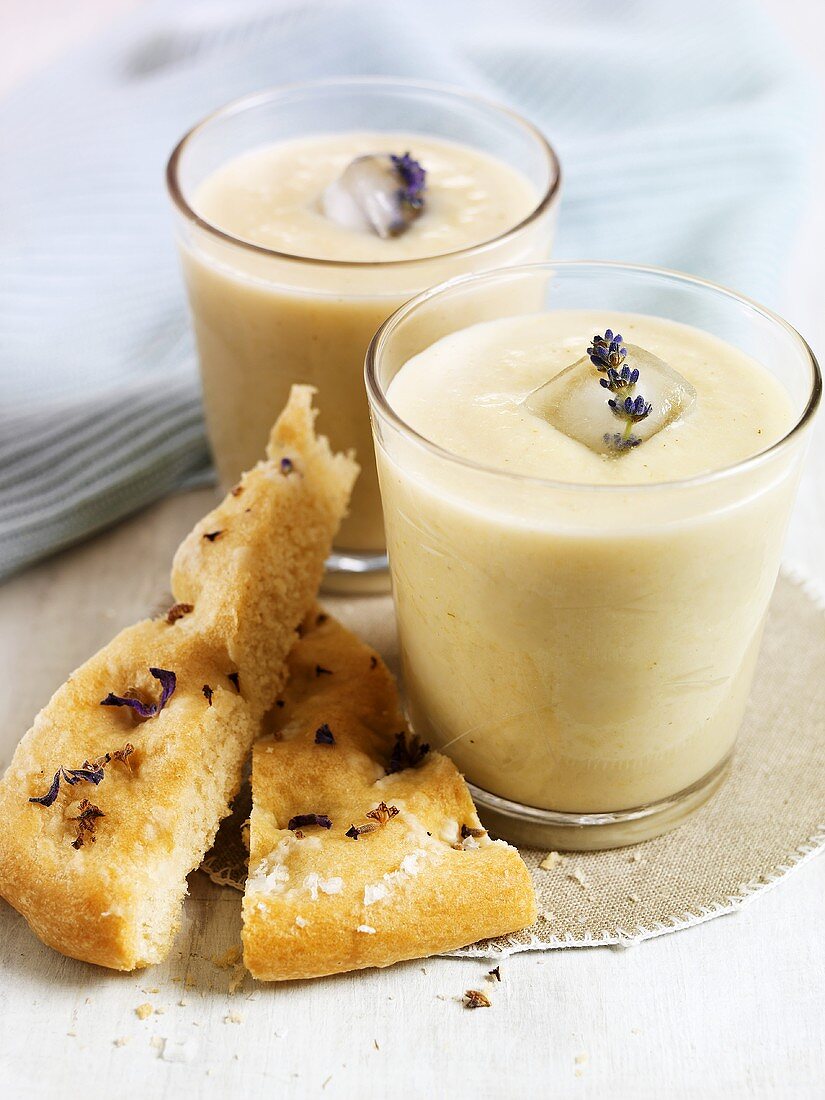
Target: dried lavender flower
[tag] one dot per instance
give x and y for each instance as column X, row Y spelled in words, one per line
column 406, row 753
column 86, row 823
column 168, row 682
column 324, row 735
column 382, row 813
column 122, row 755
column 49, row 797
column 300, row 821
column 379, row 816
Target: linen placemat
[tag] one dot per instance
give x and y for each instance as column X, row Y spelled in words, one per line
column 768, row 818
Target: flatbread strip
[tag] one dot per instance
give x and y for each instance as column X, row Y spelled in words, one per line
column 318, row 901
column 243, row 581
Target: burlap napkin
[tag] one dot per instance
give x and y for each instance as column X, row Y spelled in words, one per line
column 767, row 819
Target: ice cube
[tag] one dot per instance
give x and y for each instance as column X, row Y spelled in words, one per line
column 577, row 403
column 378, row 193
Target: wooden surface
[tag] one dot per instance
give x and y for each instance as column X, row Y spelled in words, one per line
column 735, row 1007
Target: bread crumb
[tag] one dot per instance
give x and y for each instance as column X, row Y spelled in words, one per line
column 233, row 1018
column 72, row 1034
column 183, row 1003
column 579, row 879
column 637, row 857
column 159, row 1011
column 545, row 914
column 144, row 1011
column 551, row 860
column 122, row 1041
column 236, row 979
column 580, row 1059
column 301, row 921
column 228, row 958
column 366, row 928
column 156, row 1042
column 633, row 897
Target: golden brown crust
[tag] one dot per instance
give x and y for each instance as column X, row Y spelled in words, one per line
column 326, row 903
column 116, row 900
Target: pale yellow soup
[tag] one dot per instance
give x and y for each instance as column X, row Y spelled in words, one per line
column 264, row 322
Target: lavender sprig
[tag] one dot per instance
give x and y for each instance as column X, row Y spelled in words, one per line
column 607, row 354
column 413, row 179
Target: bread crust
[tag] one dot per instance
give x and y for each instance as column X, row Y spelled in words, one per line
column 325, row 903
column 116, row 900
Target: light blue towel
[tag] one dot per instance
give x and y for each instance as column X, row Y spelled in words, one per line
column 683, row 130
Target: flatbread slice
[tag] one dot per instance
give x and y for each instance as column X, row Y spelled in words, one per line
column 130, row 793
column 325, row 894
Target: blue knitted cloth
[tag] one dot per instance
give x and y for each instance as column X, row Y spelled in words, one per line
column 683, row 130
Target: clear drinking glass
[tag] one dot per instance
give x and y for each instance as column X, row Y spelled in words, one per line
column 586, row 710
column 265, row 319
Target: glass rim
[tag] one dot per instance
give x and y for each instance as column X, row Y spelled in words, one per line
column 378, row 400
column 253, row 99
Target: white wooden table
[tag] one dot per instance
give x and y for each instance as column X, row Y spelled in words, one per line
column 735, row 1007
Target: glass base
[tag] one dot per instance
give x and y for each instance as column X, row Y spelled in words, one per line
column 570, row 832
column 356, row 572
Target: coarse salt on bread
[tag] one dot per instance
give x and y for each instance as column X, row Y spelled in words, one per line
column 429, row 880
column 243, row 581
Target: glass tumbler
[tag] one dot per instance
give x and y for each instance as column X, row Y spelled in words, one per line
column 264, row 319
column 583, row 720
